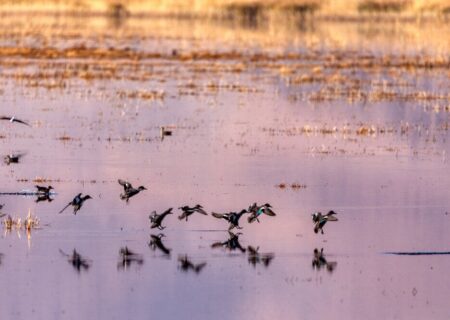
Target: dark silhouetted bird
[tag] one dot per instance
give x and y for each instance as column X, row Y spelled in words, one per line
column 320, row 220
column 232, row 218
column 14, row 119
column 187, row 211
column 77, row 203
column 255, row 211
column 128, row 190
column 42, row 189
column 13, row 158
column 156, row 243
column 319, row 261
column 186, row 265
column 231, row 244
column 156, row 219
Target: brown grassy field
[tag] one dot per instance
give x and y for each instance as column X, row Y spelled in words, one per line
column 349, row 9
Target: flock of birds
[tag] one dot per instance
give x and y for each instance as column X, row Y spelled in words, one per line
column 255, row 212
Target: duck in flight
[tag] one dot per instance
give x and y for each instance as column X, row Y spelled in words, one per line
column 77, row 203
column 255, row 211
column 187, row 211
column 320, row 220
column 128, row 190
column 232, row 218
column 14, row 119
column 156, row 219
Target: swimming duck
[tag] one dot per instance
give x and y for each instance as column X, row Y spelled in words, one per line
column 128, row 189
column 156, row 219
column 77, row 203
column 156, row 242
column 12, row 158
column 165, row 132
column 232, row 218
column 256, row 211
column 186, row 265
column 42, row 189
column 231, row 244
column 187, row 211
column 320, row 220
column 319, row 261
column 14, row 119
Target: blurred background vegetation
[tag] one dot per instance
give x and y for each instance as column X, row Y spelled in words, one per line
column 246, row 9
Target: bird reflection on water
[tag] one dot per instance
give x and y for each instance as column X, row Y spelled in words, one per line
column 320, row 262
column 156, row 243
column 77, row 261
column 186, row 265
column 231, row 244
column 127, row 258
column 254, row 257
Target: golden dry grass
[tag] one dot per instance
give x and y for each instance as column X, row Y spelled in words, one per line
column 236, row 8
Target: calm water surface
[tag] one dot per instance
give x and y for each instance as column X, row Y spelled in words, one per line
column 237, row 136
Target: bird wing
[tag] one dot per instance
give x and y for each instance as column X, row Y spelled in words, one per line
column 269, row 212
column 218, row 215
column 5, row 118
column 200, row 210
column 126, row 185
column 182, row 216
column 252, row 218
column 21, row 121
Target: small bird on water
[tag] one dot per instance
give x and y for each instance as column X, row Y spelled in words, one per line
column 12, row 158
column 43, row 189
column 187, row 211
column 77, row 203
column 14, row 119
column 128, row 190
column 156, row 219
column 232, row 218
column 256, row 211
column 320, row 220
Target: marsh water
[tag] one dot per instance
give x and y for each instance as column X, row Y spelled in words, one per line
column 350, row 117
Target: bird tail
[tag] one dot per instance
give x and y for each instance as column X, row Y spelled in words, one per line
column 217, row 215
column 65, row 208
